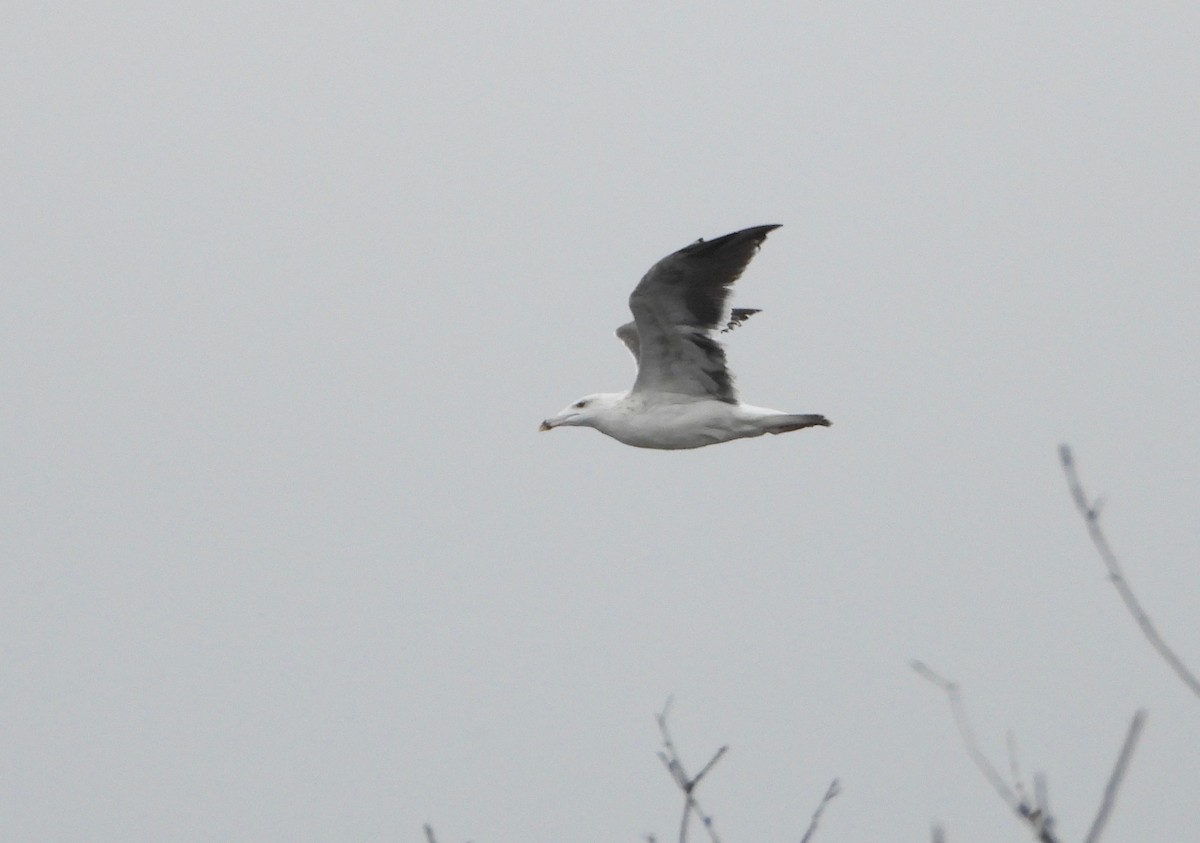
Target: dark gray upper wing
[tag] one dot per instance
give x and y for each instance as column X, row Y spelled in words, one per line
column 676, row 308
column 628, row 334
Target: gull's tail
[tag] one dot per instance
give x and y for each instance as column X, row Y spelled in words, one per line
column 785, row 423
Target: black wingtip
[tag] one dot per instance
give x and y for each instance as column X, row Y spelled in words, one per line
column 758, row 233
column 737, row 316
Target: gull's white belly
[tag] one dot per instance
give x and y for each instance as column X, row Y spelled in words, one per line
column 693, row 424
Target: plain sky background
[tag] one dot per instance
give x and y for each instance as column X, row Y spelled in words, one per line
column 288, row 287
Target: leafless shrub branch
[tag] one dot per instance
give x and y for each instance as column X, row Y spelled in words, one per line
column 1091, row 517
column 670, row 759
column 1017, row 803
column 1036, row 813
column 1114, row 780
column 687, row 784
column 833, row 790
column 429, row 838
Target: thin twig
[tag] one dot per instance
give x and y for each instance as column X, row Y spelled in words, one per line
column 1040, row 818
column 429, row 834
column 1091, row 516
column 1014, row 767
column 964, row 729
column 834, row 789
column 670, row 759
column 1037, row 817
column 704, row 771
column 1118, row 773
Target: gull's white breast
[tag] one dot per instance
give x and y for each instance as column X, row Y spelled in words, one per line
column 673, row 426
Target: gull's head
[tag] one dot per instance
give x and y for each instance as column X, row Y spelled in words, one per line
column 583, row 413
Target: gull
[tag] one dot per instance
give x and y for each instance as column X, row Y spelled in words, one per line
column 683, row 396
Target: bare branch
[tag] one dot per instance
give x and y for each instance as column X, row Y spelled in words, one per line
column 704, row 771
column 1118, row 773
column 1040, row 817
column 1091, row 517
column 429, row 834
column 670, row 759
column 834, row 789
column 968, row 736
column 1036, row 816
column 1014, row 768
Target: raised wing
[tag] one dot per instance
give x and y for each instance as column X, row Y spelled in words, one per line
column 628, row 333
column 676, row 308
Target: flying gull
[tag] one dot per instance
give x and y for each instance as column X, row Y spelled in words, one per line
column 683, row 396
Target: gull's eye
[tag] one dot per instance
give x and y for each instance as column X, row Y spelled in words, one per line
column 579, row 405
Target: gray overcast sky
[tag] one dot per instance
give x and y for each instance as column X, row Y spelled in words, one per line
column 288, row 288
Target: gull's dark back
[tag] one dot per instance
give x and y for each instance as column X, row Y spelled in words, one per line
column 677, row 306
